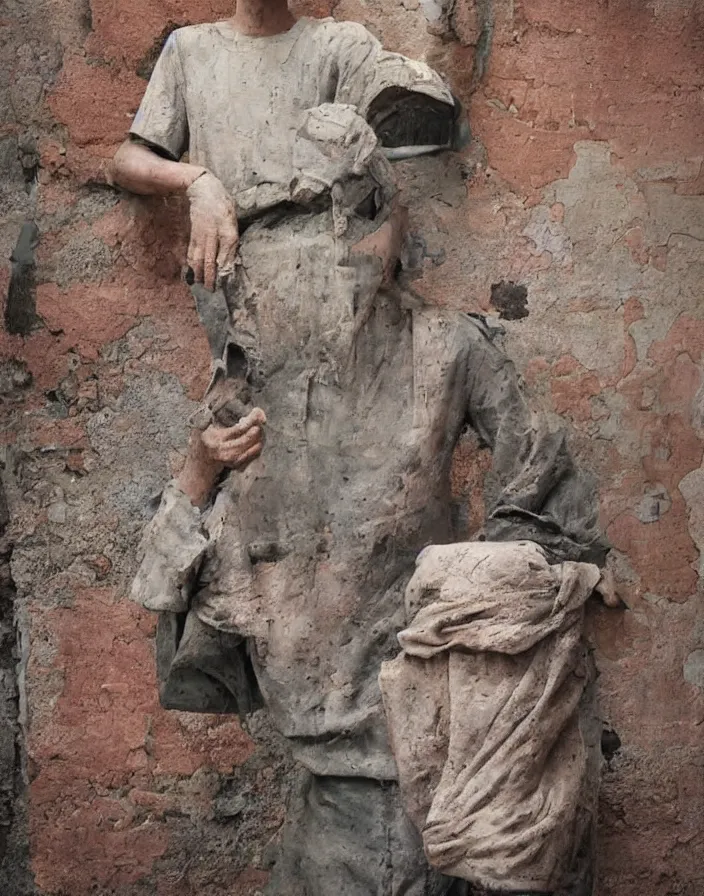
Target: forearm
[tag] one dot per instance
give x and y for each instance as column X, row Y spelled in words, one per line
column 140, row 170
column 199, row 474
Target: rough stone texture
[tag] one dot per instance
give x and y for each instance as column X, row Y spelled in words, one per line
column 585, row 185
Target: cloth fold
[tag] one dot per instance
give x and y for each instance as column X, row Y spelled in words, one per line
column 483, row 708
column 170, row 553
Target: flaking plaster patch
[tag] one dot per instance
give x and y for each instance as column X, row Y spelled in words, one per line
column 548, row 235
column 595, row 217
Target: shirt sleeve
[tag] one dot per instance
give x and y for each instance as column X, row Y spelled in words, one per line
column 170, row 554
column 405, row 101
column 543, row 496
column 161, row 119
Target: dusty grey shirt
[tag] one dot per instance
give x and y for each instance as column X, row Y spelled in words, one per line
column 235, row 103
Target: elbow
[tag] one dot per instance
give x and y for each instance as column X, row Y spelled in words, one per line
column 117, row 165
column 126, row 169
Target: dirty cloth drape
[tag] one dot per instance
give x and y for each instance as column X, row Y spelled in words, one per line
column 483, row 712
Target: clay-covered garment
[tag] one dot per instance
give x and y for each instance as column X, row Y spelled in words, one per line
column 307, row 553
column 236, row 103
column 490, row 717
column 352, row 836
column 309, row 550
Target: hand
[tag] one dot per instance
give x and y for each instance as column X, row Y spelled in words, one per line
column 235, row 446
column 214, row 232
column 606, row 589
column 217, row 448
column 386, row 242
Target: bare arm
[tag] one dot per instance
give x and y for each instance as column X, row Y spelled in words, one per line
column 214, row 232
column 140, row 170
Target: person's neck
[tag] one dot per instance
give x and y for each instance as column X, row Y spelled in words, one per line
column 262, row 18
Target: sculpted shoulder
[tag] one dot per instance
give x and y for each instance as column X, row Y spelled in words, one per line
column 329, row 31
column 193, row 37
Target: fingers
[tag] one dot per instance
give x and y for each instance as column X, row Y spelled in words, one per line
column 209, row 262
column 212, row 255
column 253, row 452
column 255, row 418
column 235, row 446
column 219, row 438
column 227, row 254
column 214, row 231
column 233, row 452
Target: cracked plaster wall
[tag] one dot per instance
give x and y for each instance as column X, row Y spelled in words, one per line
column 584, row 185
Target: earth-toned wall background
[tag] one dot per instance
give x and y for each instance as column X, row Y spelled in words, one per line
column 585, row 185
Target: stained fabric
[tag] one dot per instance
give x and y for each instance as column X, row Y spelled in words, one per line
column 351, row 836
column 237, row 104
column 483, row 707
column 306, row 554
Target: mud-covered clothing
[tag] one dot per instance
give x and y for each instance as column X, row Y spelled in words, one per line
column 235, row 103
column 351, row 836
column 307, row 553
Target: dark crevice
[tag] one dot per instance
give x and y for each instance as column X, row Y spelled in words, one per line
column 21, row 305
column 482, row 51
column 15, row 878
column 86, row 18
column 447, row 28
column 510, row 300
column 610, row 742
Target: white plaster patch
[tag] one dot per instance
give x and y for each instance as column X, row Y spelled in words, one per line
column 436, row 10
column 596, row 198
column 549, row 236
column 656, row 323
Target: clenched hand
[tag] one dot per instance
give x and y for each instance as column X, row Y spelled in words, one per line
column 234, row 446
column 218, row 447
column 214, row 232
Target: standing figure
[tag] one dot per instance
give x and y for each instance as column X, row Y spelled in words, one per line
column 279, row 570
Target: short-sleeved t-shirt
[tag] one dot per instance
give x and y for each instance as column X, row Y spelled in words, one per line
column 235, row 102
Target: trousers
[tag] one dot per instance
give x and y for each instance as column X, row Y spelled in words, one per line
column 352, row 837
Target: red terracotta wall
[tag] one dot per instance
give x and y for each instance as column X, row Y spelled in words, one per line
column 585, row 184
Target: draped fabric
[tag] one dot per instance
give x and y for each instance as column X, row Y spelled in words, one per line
column 483, row 713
